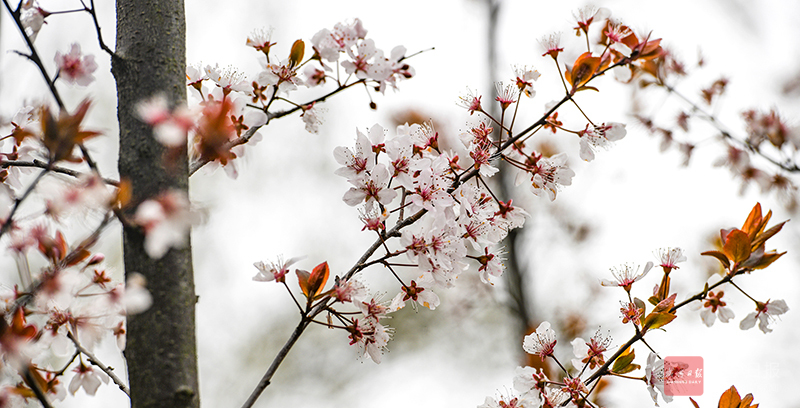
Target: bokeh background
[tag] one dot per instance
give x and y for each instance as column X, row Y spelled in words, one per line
column 621, row 207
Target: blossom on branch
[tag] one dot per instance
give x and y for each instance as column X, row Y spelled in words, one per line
column 75, row 67
column 595, row 137
column 166, row 221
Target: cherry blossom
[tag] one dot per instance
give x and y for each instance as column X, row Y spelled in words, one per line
column 170, row 128
column 343, row 36
column 370, row 336
column 552, row 45
column 548, row 175
column 166, row 221
column 417, row 294
column 525, row 78
column 590, row 353
column 714, row 307
column 491, row 265
column 371, row 188
column 32, row 18
column 261, row 39
column 595, row 137
column 765, row 312
column 355, row 161
column 542, row 342
column 669, row 257
column 74, row 67
column 470, row 102
column 274, row 271
column 625, row 275
column 506, row 94
column 87, row 378
column 654, row 377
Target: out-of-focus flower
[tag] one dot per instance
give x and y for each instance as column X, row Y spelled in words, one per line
column 74, row 67
column 166, row 221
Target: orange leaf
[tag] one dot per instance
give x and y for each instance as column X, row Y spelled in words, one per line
column 729, row 398
column 582, row 70
column 737, row 246
column 317, row 279
column 296, row 55
column 753, row 220
column 302, row 279
column 720, row 256
column 694, row 402
column 767, row 259
column 763, row 237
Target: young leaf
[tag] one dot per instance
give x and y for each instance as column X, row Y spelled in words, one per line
column 737, row 246
column 296, row 55
column 720, row 257
column 317, row 279
column 752, row 222
column 623, row 364
column 302, row 279
column 729, row 398
column 583, row 69
column 655, row 320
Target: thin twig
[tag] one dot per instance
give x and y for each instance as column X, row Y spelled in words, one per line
column 198, row 164
column 43, row 165
column 106, row 369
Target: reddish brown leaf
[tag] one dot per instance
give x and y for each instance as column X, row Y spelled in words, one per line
column 694, row 402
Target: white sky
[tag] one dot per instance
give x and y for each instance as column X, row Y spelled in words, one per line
column 636, row 199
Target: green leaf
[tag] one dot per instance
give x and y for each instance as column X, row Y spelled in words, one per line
column 623, row 364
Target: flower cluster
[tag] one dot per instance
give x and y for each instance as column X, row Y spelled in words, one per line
column 457, row 218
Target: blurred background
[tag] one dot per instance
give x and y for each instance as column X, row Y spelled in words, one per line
column 628, row 202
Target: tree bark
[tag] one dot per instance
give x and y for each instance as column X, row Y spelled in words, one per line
column 161, row 348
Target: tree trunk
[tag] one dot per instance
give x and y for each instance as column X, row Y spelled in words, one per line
column 161, row 349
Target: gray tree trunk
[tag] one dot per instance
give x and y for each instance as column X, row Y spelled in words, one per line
column 161, row 349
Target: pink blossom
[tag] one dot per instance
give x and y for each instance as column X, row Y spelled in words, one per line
column 371, row 188
column 595, row 137
column 542, row 342
column 274, row 271
column 166, row 221
column 765, row 312
column 87, row 378
column 74, row 67
column 626, row 275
